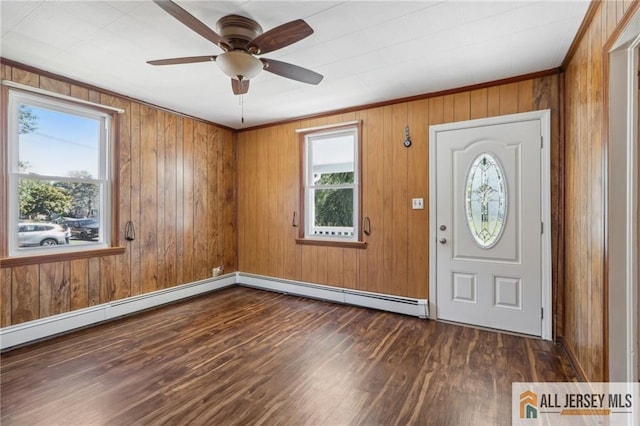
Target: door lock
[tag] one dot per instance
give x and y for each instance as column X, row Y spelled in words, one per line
column 443, row 227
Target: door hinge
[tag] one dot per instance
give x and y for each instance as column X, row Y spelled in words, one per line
column 541, row 141
column 542, row 227
column 541, row 313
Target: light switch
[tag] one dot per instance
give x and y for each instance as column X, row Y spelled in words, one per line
column 418, row 204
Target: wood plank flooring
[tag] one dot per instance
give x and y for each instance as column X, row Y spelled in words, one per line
column 245, row 356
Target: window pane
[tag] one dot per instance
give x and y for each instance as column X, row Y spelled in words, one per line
column 54, row 143
column 333, row 178
column 334, row 207
column 333, row 154
column 49, row 205
column 40, row 199
column 486, row 200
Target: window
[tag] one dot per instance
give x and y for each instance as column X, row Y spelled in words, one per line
column 486, row 200
column 59, row 185
column 331, row 182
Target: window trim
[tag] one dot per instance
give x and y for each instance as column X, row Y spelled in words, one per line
column 357, row 242
column 113, row 247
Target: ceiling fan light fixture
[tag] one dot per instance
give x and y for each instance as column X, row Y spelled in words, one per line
column 242, row 38
column 239, row 64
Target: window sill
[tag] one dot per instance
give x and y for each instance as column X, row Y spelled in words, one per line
column 329, row 243
column 9, row 262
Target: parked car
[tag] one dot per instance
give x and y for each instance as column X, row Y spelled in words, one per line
column 84, row 229
column 41, row 234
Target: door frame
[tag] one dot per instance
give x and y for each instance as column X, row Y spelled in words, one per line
column 544, row 116
column 622, row 203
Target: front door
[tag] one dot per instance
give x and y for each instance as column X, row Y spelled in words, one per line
column 488, row 225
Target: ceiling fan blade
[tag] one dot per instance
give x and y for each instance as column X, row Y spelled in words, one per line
column 280, row 37
column 185, row 60
column 239, row 87
column 291, row 71
column 191, row 21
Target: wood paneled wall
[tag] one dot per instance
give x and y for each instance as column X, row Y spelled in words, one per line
column 396, row 260
column 176, row 183
column 585, row 334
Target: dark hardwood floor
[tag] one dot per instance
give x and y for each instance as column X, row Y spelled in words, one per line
column 245, row 356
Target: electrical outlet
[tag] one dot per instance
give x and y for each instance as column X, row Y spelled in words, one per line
column 217, row 271
column 418, row 204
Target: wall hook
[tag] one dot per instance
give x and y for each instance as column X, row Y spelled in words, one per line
column 130, row 231
column 366, row 225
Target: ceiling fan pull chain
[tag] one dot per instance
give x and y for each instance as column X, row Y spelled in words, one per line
column 242, row 108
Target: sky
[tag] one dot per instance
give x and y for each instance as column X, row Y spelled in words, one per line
column 61, row 143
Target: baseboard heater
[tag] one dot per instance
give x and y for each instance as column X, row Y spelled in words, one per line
column 384, row 302
column 39, row 329
column 32, row 331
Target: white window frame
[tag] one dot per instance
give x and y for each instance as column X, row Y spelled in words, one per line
column 104, row 180
column 309, row 135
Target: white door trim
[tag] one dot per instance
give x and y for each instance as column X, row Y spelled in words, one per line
column 545, row 126
column 622, row 205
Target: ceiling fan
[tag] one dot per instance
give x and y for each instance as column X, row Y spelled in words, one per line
column 242, row 39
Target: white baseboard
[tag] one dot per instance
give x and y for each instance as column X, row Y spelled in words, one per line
column 50, row 326
column 32, row 331
column 384, row 302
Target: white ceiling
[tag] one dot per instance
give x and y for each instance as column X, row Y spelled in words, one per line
column 368, row 51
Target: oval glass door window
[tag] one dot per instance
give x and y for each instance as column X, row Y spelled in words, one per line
column 486, row 200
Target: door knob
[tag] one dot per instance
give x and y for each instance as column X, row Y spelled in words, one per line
column 443, row 227
column 442, row 240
